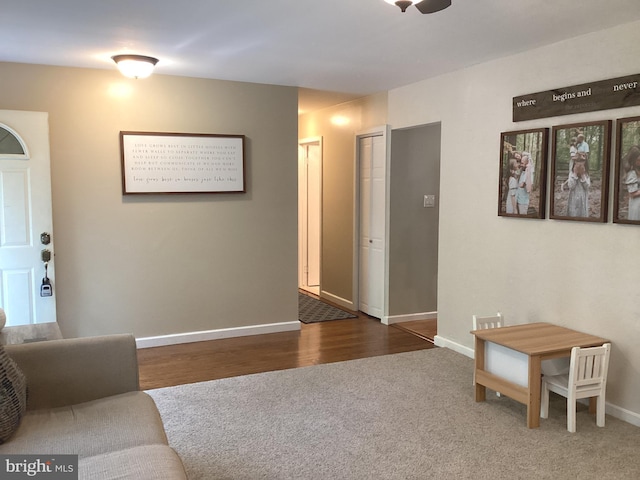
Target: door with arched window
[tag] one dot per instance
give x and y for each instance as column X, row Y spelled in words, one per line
column 27, row 273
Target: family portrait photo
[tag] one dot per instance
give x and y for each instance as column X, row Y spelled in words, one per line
column 579, row 175
column 627, row 184
column 521, row 190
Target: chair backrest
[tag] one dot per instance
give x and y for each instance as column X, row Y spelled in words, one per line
column 589, row 367
column 492, row 321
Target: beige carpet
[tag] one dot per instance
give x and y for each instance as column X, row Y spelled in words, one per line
column 403, row 416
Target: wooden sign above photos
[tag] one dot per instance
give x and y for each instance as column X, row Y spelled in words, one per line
column 588, row 97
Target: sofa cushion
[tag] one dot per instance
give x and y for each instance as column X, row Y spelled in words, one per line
column 149, row 462
column 92, row 428
column 13, row 396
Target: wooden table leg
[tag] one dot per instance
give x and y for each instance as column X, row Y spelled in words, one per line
column 533, row 409
column 480, row 390
column 593, row 403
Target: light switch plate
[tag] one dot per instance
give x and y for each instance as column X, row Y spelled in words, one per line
column 429, row 201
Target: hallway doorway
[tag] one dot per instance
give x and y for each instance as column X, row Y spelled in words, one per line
column 309, row 214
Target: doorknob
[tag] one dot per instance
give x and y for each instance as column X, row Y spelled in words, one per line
column 45, row 254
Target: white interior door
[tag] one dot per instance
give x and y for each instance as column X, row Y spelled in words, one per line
column 25, row 214
column 372, row 228
column 310, row 213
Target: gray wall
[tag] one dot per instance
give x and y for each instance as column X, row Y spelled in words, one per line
column 156, row 265
column 413, row 241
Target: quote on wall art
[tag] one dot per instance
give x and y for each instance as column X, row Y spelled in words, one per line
column 182, row 163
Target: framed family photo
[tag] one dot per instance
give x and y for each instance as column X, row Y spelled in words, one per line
column 627, row 181
column 522, row 181
column 580, row 171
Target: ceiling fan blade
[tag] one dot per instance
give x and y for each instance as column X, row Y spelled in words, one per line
column 432, row 6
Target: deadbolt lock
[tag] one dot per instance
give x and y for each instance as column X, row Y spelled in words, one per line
column 45, row 255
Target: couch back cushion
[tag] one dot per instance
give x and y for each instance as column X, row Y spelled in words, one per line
column 76, row 370
column 13, row 396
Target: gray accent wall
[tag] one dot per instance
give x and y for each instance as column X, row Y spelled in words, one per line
column 157, row 265
column 413, row 237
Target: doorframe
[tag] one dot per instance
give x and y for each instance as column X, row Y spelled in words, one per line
column 385, row 132
column 302, row 180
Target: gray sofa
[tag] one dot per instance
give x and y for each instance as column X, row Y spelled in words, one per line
column 84, row 399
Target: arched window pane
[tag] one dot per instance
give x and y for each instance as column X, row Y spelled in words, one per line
column 9, row 144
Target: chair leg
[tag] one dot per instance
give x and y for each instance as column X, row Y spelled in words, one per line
column 600, row 407
column 544, row 401
column 571, row 414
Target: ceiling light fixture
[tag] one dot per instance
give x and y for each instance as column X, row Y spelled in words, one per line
column 135, row 66
column 402, row 4
column 425, row 6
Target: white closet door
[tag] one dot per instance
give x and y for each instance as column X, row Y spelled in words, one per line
column 309, row 213
column 314, row 198
column 372, row 180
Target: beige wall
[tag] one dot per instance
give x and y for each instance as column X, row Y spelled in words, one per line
column 338, row 126
column 156, row 265
column 576, row 274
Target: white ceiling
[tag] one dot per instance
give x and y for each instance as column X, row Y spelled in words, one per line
column 353, row 47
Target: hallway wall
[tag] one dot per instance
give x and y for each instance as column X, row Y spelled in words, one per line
column 413, row 235
column 338, row 126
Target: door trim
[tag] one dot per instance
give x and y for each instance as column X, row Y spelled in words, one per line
column 385, row 132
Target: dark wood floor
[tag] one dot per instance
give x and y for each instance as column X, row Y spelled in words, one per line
column 426, row 329
column 314, row 344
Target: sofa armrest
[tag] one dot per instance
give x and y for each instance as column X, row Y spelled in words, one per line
column 70, row 371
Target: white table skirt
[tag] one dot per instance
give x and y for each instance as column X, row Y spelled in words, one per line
column 514, row 366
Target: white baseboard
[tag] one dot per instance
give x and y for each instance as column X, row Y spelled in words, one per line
column 188, row 337
column 338, row 300
column 410, row 317
column 614, row 410
column 623, row 414
column 440, row 341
